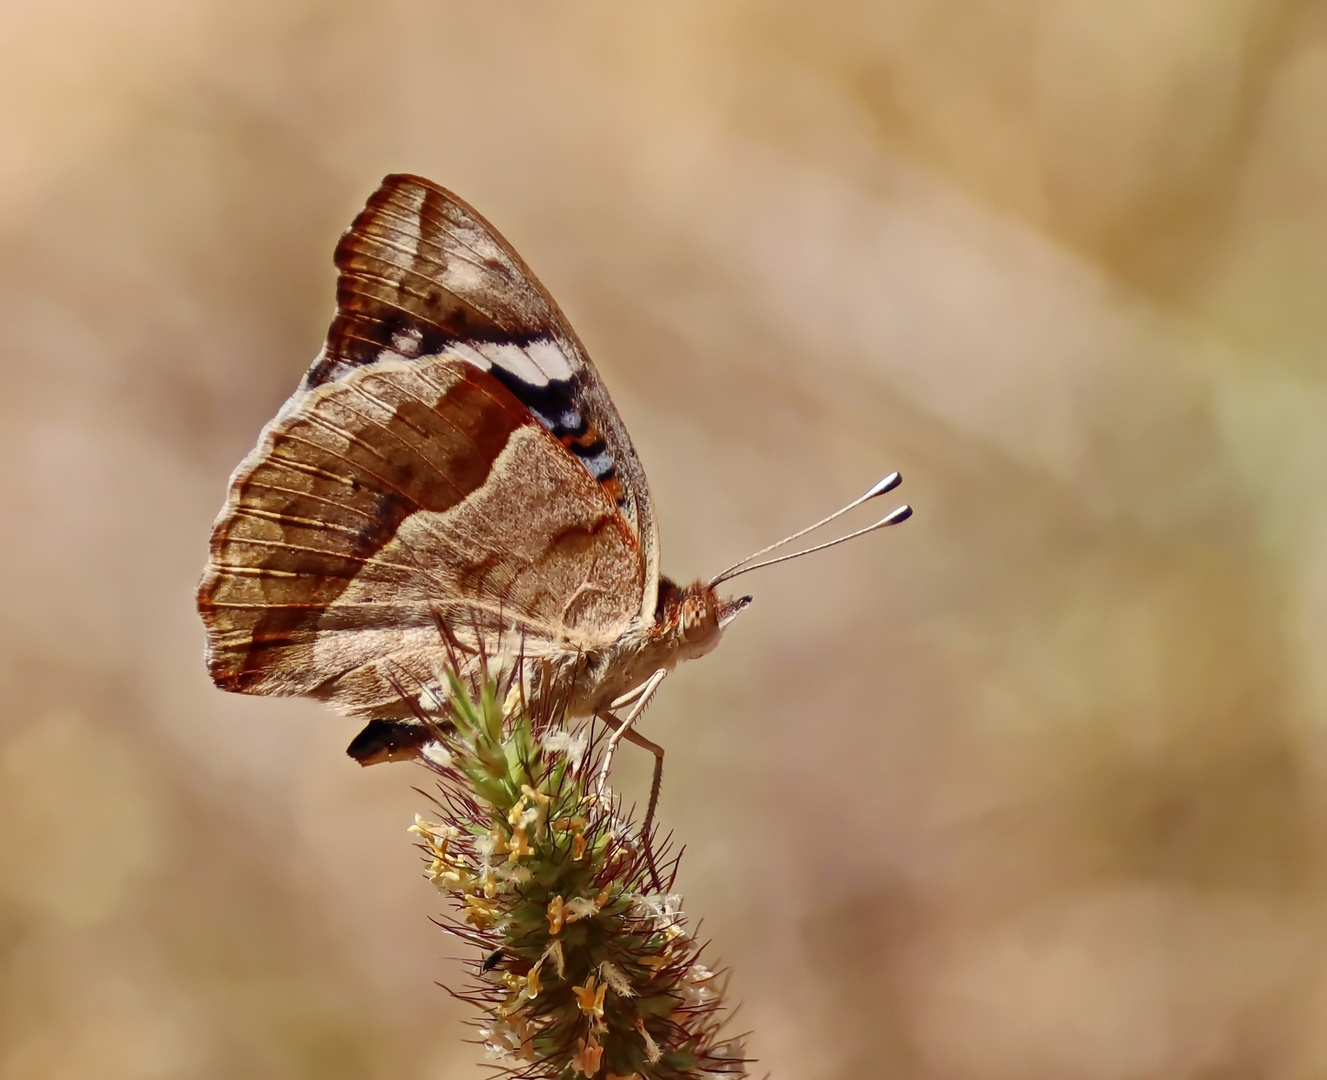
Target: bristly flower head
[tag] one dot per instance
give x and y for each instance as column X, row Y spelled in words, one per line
column 584, row 971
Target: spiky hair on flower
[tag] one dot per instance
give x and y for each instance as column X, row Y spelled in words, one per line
column 583, row 968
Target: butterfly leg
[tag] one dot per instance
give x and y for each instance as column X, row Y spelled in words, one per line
column 646, row 692
column 624, row 729
column 631, row 696
column 656, row 782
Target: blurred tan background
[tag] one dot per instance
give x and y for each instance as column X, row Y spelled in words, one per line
column 1030, row 788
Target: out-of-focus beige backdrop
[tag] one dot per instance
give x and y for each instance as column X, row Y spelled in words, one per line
column 1032, row 787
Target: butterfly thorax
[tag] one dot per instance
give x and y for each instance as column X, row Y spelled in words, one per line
column 688, row 622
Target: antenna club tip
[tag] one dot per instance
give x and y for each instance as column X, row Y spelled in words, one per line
column 901, row 514
column 889, row 483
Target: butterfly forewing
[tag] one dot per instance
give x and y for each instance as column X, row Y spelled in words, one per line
column 423, row 274
column 419, row 270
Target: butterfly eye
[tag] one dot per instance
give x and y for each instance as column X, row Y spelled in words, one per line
column 697, row 619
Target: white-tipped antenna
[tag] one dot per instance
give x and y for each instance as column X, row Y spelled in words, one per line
column 888, row 483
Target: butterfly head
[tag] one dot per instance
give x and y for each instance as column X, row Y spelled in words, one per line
column 695, row 616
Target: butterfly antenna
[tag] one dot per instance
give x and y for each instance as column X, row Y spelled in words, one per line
column 898, row 514
column 888, row 483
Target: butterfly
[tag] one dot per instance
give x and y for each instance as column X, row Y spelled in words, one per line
column 450, row 479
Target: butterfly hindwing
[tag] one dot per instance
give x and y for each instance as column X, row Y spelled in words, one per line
column 400, row 493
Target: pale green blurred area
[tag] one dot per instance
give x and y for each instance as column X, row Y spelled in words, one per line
column 1029, row 788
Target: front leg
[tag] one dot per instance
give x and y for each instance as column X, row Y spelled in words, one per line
column 625, row 729
column 646, row 691
column 634, row 736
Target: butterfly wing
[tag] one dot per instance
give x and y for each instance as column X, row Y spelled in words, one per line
column 451, row 457
column 422, row 272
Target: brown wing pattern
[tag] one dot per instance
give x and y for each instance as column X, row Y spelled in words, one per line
column 423, row 274
column 396, row 494
column 418, row 263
